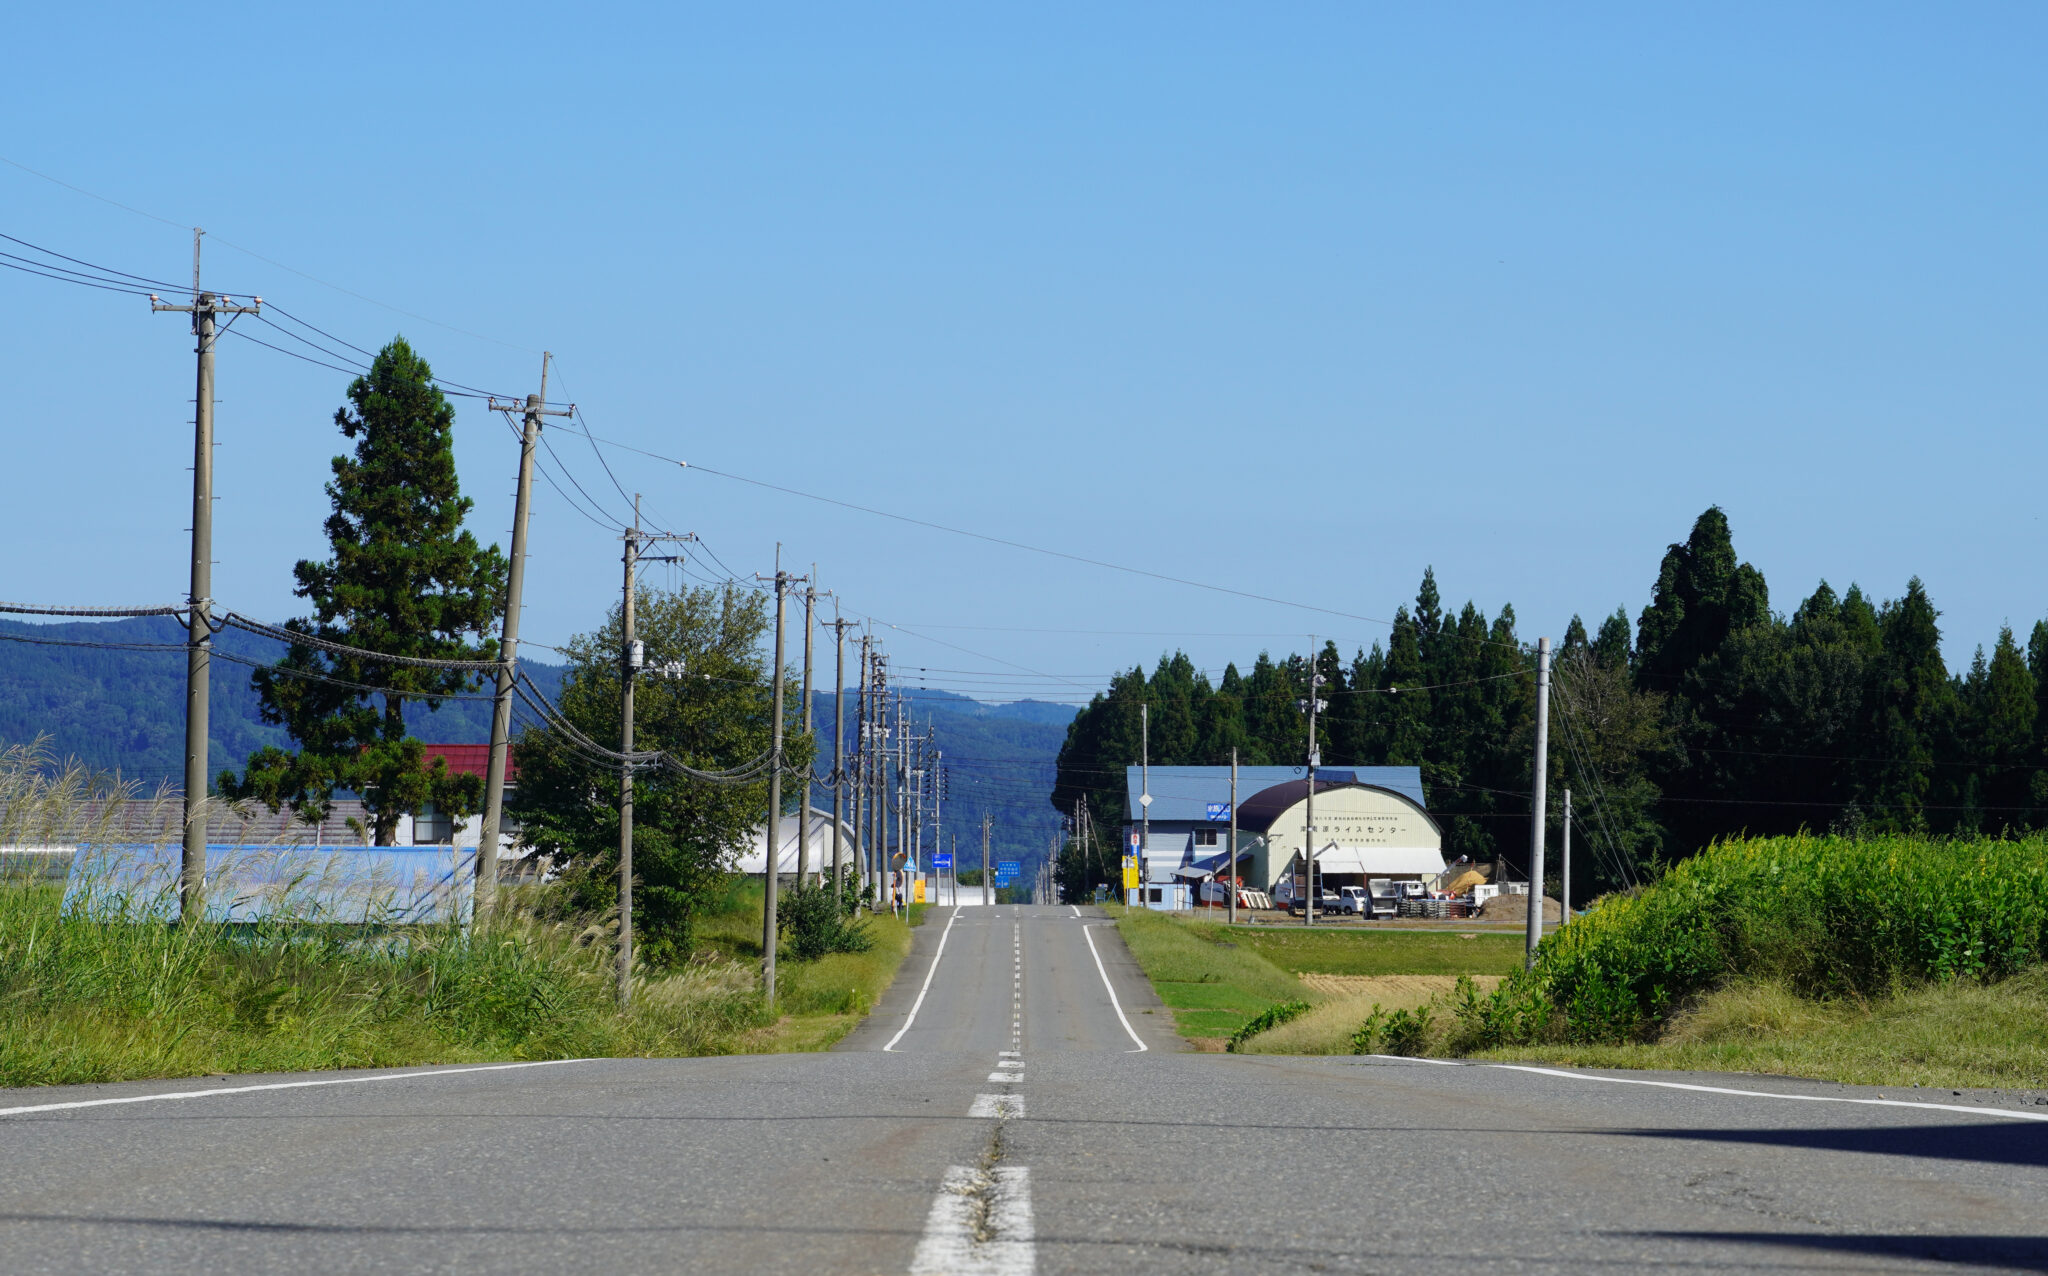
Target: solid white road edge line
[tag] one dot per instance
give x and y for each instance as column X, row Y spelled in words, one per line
column 915, row 1005
column 1088, row 933
column 1774, row 1094
column 279, row 1085
column 2007, row 1113
column 948, row 1247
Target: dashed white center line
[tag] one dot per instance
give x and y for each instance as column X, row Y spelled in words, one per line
column 1006, row 1077
column 949, row 1247
column 1002, row 1106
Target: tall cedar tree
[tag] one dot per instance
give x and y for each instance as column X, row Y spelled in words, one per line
column 405, row 579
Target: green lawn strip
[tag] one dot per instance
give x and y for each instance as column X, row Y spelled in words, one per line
column 1215, row 978
column 1357, row 951
column 1212, row 984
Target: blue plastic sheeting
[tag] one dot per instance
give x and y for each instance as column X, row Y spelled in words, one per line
column 388, row 885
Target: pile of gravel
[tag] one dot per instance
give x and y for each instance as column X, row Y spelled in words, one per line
column 1515, row 908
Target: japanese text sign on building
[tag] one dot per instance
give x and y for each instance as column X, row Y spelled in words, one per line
column 1219, row 811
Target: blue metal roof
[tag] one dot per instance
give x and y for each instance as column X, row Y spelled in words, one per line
column 1184, row 793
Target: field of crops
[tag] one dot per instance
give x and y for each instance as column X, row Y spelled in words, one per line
column 1826, row 917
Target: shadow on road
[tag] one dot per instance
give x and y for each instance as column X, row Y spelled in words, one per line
column 2012, row 1253
column 2000, row 1143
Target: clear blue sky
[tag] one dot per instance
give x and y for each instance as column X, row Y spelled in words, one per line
column 1294, row 299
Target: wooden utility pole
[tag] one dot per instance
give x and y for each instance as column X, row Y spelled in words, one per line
column 770, row 868
column 1308, row 846
column 803, row 810
column 1144, row 796
column 1537, row 813
column 878, row 811
column 839, row 628
column 204, row 308
column 987, row 898
column 1231, row 887
column 862, row 843
column 535, row 408
column 1564, row 885
column 632, row 657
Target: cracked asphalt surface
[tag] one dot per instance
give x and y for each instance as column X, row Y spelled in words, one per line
column 1154, row 1160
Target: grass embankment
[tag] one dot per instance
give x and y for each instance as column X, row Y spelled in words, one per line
column 1211, row 982
column 1961, row 1034
column 1217, row 978
column 84, row 1001
column 1889, row 961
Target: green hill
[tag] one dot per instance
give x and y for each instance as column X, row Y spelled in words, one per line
column 124, row 709
column 116, row 700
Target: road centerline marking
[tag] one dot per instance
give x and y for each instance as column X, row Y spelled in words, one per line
column 999, row 1106
column 1001, row 1198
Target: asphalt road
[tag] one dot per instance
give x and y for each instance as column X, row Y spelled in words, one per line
column 1023, row 1119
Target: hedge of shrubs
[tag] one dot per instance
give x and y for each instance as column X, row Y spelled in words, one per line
column 1829, row 916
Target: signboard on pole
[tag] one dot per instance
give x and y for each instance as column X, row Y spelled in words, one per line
column 1130, row 872
column 1219, row 812
column 942, row 861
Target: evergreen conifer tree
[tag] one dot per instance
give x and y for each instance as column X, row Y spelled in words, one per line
column 1909, row 697
column 404, row 579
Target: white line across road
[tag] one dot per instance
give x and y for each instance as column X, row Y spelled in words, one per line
column 949, row 1246
column 1088, row 933
column 278, row 1085
column 915, row 1005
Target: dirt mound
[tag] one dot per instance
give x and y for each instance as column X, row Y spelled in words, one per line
column 1515, row 908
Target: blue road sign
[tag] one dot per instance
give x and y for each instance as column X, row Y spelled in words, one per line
column 1219, row 811
column 942, row 861
column 1007, row 866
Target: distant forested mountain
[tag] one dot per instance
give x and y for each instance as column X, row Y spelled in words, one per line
column 998, row 758
column 117, row 699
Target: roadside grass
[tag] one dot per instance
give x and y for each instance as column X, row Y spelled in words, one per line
column 1327, row 1028
column 96, row 1001
column 1213, row 984
column 821, row 1001
column 1216, row 978
column 1358, row 951
column 1954, row 1035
